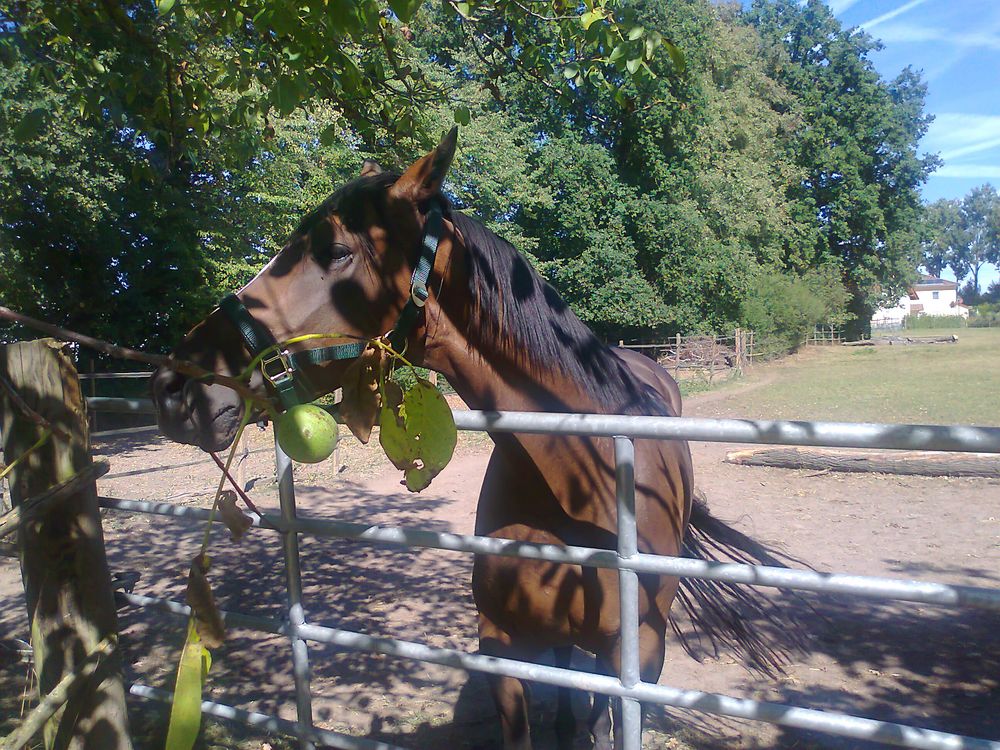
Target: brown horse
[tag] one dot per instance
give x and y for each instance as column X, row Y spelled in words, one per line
column 506, row 341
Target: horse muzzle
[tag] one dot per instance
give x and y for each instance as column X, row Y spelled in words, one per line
column 196, row 413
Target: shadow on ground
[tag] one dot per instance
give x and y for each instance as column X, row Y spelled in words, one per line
column 931, row 667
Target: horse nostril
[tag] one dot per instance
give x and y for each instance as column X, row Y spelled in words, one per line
column 168, row 385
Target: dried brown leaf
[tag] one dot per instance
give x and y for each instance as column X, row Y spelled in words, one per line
column 360, row 403
column 234, row 518
column 207, row 618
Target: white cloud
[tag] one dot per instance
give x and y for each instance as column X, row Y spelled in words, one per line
column 970, row 171
column 956, row 134
column 839, row 6
column 973, row 148
column 904, row 8
column 909, row 33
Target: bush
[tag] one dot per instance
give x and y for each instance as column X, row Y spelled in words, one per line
column 784, row 308
column 923, row 322
column 985, row 316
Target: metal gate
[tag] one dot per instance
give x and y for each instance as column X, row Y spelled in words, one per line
column 627, row 560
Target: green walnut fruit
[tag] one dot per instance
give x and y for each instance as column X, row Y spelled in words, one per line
column 307, row 434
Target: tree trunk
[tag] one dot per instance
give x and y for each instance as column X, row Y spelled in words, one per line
column 861, row 326
column 63, row 565
column 908, row 463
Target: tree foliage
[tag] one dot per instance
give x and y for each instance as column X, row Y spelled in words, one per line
column 161, row 151
column 858, row 148
column 963, row 235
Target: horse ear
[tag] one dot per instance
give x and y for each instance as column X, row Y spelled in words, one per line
column 424, row 177
column 370, row 167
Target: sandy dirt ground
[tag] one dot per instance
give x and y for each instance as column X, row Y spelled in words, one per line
column 933, row 667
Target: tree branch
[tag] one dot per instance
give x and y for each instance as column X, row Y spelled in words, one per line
column 133, row 355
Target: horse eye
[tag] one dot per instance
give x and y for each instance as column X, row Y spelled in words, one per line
column 339, row 252
column 331, row 253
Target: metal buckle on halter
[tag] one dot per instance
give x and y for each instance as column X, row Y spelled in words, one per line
column 277, row 376
column 418, row 294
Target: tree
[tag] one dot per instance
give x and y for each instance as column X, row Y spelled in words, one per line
column 858, row 146
column 173, row 146
column 160, row 150
column 981, row 225
column 944, row 238
column 181, row 71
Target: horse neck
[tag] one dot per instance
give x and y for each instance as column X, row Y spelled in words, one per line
column 489, row 378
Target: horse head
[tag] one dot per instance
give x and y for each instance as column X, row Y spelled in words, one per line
column 348, row 269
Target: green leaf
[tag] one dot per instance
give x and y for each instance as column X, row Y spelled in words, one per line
column 634, row 33
column 653, row 40
column 164, row 6
column 676, row 56
column 590, row 18
column 462, row 115
column 185, row 713
column 285, row 95
column 329, row 135
column 617, row 53
column 571, row 71
column 404, row 9
column 417, row 431
column 633, row 64
column 463, row 9
column 30, row 125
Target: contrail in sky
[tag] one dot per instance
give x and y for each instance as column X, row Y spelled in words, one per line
column 867, row 25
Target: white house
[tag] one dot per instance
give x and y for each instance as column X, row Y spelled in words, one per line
column 929, row 296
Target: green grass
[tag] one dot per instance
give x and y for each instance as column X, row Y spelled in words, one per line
column 936, row 384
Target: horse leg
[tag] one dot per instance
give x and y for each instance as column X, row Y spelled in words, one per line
column 511, row 699
column 509, row 694
column 565, row 723
column 599, row 720
column 652, row 649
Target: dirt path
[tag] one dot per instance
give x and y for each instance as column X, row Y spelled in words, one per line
column 923, row 665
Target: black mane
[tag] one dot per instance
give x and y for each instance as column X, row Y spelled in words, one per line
column 517, row 313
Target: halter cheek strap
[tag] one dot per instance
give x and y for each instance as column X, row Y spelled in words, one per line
column 283, row 369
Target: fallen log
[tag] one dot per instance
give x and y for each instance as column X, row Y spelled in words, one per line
column 903, row 341
column 928, row 464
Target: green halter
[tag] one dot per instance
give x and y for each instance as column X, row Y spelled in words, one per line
column 283, row 369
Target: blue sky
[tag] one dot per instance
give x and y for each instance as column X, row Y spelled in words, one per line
column 956, row 44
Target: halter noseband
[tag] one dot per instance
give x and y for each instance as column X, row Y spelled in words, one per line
column 283, row 369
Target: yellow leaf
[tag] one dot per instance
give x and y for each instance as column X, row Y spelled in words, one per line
column 417, row 432
column 185, row 713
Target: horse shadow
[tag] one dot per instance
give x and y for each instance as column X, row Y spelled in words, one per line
column 933, row 667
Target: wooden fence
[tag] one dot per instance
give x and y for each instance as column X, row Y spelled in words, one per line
column 117, row 384
column 701, row 357
column 824, row 336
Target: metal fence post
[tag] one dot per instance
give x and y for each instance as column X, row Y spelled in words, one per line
column 296, row 615
column 628, row 590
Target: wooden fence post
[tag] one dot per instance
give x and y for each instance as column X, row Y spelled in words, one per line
column 677, row 366
column 738, row 349
column 93, row 392
column 67, row 586
column 711, row 364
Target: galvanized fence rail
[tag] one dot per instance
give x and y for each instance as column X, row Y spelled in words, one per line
column 629, row 562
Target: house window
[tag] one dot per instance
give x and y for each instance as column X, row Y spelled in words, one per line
column 935, row 295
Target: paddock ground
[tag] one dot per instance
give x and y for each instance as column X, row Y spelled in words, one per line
column 928, row 666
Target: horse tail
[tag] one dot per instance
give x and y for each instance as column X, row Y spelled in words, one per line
column 736, row 618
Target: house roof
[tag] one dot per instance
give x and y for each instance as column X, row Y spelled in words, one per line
column 933, row 282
